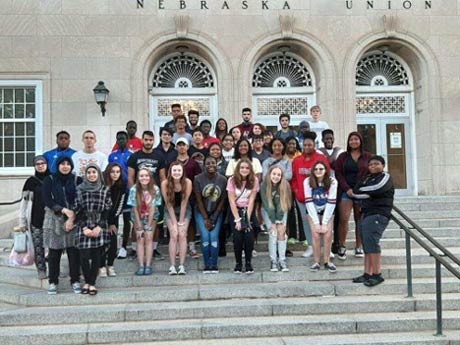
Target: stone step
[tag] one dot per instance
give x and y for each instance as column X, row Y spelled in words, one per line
column 406, row 338
column 224, row 308
column 298, row 325
column 145, row 294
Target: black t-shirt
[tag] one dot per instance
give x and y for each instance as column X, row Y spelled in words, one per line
column 351, row 171
column 153, row 161
column 198, row 155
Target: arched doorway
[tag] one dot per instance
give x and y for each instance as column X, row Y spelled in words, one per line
column 282, row 82
column 183, row 78
column 384, row 113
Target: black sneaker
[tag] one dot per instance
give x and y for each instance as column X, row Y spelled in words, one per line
column 157, row 255
column 214, row 270
column 374, row 280
column 249, row 269
column 207, row 270
column 238, row 269
column 361, row 279
column 342, row 253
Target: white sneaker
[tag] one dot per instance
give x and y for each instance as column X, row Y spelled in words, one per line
column 52, row 289
column 102, row 272
column 254, row 253
column 122, row 253
column 172, row 271
column 308, row 253
column 111, row 271
column 181, row 271
column 331, row 256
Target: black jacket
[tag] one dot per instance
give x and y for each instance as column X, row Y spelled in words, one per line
column 377, row 194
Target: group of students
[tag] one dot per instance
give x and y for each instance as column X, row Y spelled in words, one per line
column 239, row 182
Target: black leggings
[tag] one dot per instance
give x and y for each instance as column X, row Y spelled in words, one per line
column 109, row 252
column 37, row 239
column 126, row 228
column 54, row 263
column 242, row 240
column 90, row 260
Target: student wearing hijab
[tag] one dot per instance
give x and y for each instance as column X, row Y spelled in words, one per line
column 92, row 207
column 59, row 190
column 32, row 211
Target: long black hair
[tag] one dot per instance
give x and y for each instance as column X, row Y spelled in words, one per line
column 237, row 155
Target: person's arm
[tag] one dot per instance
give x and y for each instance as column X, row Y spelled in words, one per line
column 184, row 202
column 331, row 202
column 199, row 200
column 339, row 172
column 294, row 177
column 27, row 196
column 162, row 174
column 288, row 170
column 231, row 188
column 383, row 185
column 131, row 175
column 309, row 204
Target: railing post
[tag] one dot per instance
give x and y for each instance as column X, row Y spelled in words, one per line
column 409, row 265
column 438, row 299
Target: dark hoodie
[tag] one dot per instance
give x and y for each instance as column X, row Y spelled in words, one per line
column 34, row 185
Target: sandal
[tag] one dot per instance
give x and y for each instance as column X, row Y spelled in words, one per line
column 85, row 289
column 93, row 291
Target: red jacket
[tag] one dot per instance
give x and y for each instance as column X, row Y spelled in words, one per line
column 301, row 169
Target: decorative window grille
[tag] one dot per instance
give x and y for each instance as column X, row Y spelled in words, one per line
column 381, row 104
column 269, row 106
column 183, row 71
column 17, row 126
column 380, row 69
column 203, row 105
column 281, row 71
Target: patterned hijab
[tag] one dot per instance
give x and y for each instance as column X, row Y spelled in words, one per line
column 88, row 186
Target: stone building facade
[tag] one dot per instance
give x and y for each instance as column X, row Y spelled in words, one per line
column 392, row 68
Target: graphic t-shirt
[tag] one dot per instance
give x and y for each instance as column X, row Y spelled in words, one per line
column 152, row 161
column 81, row 160
column 212, row 191
column 147, row 200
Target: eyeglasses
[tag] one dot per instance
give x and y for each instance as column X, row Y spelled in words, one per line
column 319, row 169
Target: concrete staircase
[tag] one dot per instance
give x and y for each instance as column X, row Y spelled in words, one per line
column 298, row 307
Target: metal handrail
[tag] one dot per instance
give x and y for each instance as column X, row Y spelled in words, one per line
column 10, row 202
column 439, row 259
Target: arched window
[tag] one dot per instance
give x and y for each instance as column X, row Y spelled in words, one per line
column 282, row 83
column 186, row 79
column 384, row 97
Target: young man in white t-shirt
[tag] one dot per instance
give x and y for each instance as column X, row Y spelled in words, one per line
column 89, row 154
column 316, row 125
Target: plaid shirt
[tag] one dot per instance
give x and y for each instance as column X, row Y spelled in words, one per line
column 92, row 209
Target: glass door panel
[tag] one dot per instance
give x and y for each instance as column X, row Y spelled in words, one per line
column 396, row 154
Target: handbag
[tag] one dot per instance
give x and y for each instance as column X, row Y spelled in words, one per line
column 25, row 258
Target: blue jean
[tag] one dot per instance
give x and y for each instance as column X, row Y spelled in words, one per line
column 209, row 240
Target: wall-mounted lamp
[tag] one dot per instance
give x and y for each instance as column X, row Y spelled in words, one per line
column 101, row 93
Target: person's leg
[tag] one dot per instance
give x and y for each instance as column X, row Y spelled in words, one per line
column 327, row 238
column 126, row 227
column 305, row 225
column 191, row 235
column 140, row 243
column 375, row 263
column 272, row 239
column 316, row 237
column 148, row 242
column 282, row 244
column 39, row 251
column 73, row 256
column 248, row 237
column 336, row 241
column 112, row 252
column 344, row 214
column 85, row 265
column 183, row 241
column 214, row 239
column 173, row 241
column 237, row 241
column 54, row 263
column 357, row 216
column 205, row 239
column 95, row 256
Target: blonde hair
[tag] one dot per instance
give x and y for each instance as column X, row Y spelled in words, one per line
column 284, row 189
column 139, row 190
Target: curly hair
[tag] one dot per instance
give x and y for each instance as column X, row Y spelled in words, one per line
column 237, row 155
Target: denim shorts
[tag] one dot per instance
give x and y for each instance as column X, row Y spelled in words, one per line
column 371, row 229
column 345, row 197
